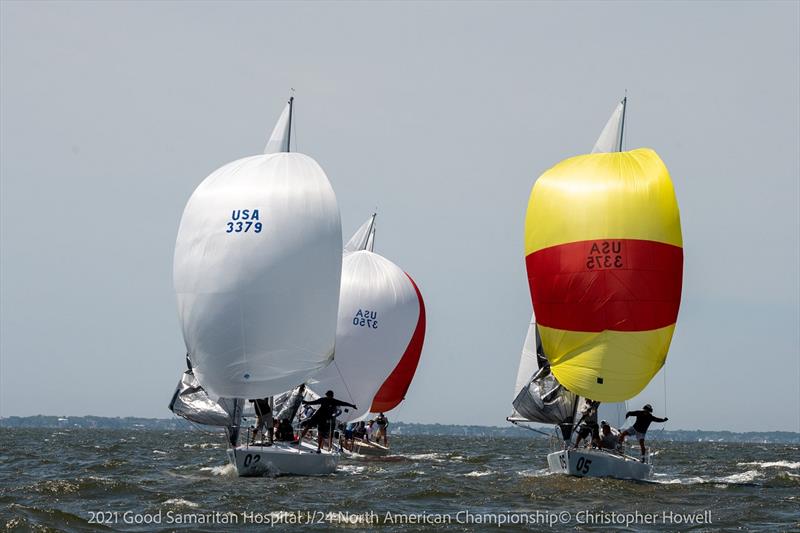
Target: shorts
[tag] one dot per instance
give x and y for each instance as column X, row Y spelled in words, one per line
column 631, row 431
column 323, row 425
column 266, row 422
column 584, row 431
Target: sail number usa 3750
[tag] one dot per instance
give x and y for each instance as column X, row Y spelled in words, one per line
column 244, row 221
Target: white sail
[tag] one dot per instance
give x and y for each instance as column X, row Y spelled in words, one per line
column 610, row 139
column 279, row 140
column 527, row 361
column 257, row 271
column 378, row 314
column 363, row 237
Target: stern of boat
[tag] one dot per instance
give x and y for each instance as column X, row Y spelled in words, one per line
column 597, row 463
column 282, row 459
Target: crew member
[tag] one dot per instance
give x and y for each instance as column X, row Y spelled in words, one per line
column 263, row 419
column 383, row 426
column 323, row 418
column 639, row 428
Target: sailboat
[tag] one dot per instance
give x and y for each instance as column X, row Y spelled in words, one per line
column 381, row 323
column 605, row 260
column 257, row 270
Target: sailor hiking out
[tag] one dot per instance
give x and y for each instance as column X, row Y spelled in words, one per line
column 639, row 428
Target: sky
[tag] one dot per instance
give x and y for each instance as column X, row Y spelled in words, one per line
column 441, row 116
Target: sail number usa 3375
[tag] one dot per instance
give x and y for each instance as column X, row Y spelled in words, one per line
column 244, row 221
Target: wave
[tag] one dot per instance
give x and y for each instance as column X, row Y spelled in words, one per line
column 476, row 473
column 438, row 457
column 351, row 469
column 539, row 472
column 227, row 470
column 742, row 478
column 180, row 502
column 772, row 464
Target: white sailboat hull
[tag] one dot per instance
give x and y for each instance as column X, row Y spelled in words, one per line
column 283, row 459
column 597, row 463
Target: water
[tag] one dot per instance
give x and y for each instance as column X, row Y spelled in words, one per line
column 57, row 479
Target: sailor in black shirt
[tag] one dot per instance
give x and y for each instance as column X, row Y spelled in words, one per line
column 322, row 418
column 639, row 428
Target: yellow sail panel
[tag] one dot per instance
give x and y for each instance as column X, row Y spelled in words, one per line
column 600, row 196
column 623, row 362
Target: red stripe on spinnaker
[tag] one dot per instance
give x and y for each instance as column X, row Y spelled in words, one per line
column 643, row 293
column 393, row 391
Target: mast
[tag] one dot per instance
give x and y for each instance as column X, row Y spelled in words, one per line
column 289, row 132
column 370, row 233
column 621, row 125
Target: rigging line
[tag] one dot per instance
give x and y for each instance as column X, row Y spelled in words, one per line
column 529, row 428
column 344, row 382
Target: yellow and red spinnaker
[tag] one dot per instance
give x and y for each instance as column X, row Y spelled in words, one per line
column 604, row 255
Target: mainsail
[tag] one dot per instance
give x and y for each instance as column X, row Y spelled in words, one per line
column 257, row 272
column 610, row 139
column 378, row 314
column 281, row 135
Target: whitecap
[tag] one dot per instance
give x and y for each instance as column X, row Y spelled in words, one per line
column 426, row 457
column 181, row 502
column 743, row 477
column 772, row 464
column 478, row 474
column 222, row 470
column 159, row 452
column 535, row 473
column 351, row 469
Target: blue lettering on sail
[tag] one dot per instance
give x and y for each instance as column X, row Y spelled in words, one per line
column 243, row 221
column 366, row 318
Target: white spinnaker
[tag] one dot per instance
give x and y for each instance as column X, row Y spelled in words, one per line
column 257, row 307
column 378, row 313
column 610, row 139
column 279, row 140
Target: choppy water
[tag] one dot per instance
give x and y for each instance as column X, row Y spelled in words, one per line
column 57, row 479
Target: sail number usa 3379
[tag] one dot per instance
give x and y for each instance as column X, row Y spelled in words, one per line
column 243, row 221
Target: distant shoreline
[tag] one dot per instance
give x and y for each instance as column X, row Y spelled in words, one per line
column 397, row 428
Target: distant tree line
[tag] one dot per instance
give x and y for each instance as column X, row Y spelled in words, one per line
column 397, row 428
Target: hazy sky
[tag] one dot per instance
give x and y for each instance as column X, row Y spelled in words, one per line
column 441, row 115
